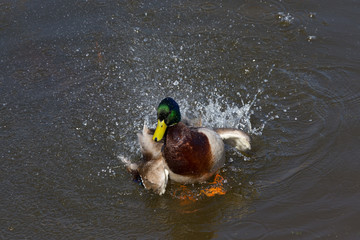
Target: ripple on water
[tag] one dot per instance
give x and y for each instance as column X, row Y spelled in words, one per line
column 208, row 6
column 315, row 119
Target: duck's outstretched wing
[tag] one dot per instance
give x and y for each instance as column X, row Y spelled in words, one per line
column 149, row 148
column 235, row 138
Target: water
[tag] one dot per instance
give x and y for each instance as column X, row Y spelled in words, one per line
column 80, row 78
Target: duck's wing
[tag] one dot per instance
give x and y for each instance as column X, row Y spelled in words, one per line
column 149, row 148
column 235, row 138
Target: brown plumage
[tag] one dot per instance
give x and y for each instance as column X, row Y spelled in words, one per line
column 187, row 152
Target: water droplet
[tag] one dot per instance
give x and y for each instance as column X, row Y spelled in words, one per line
column 311, row 38
column 312, row 14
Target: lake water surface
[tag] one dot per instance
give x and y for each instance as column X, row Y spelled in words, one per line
column 80, row 78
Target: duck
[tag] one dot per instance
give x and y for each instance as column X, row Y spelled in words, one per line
column 182, row 151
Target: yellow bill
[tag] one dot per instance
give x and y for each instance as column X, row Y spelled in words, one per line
column 159, row 131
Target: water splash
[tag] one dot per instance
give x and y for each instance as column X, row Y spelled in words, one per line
column 285, row 18
column 221, row 113
column 216, row 112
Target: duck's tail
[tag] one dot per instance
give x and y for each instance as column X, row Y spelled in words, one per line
column 235, row 138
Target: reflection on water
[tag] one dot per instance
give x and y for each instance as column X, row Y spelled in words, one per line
column 79, row 80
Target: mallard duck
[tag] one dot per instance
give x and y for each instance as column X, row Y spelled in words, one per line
column 183, row 153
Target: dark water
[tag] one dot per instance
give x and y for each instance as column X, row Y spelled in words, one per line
column 79, row 79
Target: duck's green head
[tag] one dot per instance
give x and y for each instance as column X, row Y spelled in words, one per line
column 168, row 114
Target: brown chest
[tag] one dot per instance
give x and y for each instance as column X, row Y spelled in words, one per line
column 188, row 153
